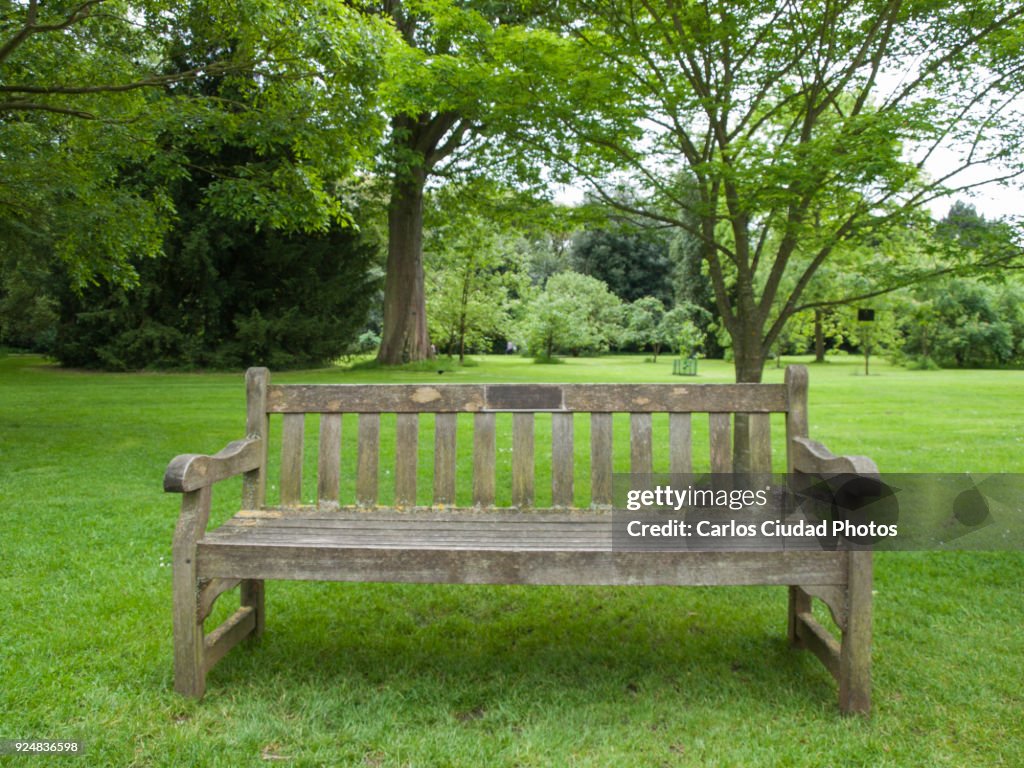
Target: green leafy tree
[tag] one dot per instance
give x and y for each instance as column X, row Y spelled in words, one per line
column 574, row 313
column 477, row 88
column 689, row 339
column 473, row 277
column 798, row 141
column 120, row 121
column 645, row 317
column 680, row 331
column 633, row 263
column 964, row 323
column 226, row 296
column 103, row 104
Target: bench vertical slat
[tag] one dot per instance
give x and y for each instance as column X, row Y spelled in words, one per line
column 329, row 460
column 760, row 443
column 292, row 436
column 721, row 454
column 407, row 435
column 600, row 459
column 561, row 459
column 368, row 459
column 796, row 426
column 484, row 449
column 796, row 416
column 522, row 459
column 680, row 444
column 640, row 459
column 254, row 483
column 445, row 428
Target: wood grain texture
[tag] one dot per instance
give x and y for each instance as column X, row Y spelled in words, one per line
column 257, row 427
column 664, row 398
column 835, row 599
column 368, row 458
column 601, row 459
column 522, row 459
column 228, row 635
column 561, row 459
column 376, row 398
column 191, row 471
column 407, row 438
column 484, row 452
column 564, row 565
column 292, row 439
column 855, row 655
column 818, row 641
column 721, row 450
column 445, row 430
column 799, row 603
column 796, row 415
column 328, row 481
column 189, row 669
column 209, row 591
column 760, row 445
column 253, row 595
column 470, row 398
column 680, row 444
column 811, row 457
column 641, row 458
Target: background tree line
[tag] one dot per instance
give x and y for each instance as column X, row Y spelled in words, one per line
column 190, row 185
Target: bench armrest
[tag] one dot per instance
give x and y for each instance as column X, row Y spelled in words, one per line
column 192, row 471
column 811, row 457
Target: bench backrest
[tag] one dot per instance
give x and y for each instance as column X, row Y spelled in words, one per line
column 445, row 402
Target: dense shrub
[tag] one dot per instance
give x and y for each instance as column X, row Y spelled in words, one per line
column 226, row 295
column 966, row 324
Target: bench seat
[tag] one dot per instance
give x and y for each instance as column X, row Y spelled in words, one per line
column 468, row 546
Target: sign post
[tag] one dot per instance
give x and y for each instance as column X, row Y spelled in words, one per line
column 865, row 317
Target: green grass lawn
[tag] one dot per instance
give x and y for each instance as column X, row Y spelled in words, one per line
column 411, row 675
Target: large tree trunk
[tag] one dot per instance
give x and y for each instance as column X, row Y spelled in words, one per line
column 748, row 360
column 819, row 337
column 748, row 356
column 404, row 337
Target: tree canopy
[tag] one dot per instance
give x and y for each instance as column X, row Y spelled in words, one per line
column 801, row 130
column 767, row 163
column 104, row 103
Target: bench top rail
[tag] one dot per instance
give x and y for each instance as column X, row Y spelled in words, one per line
column 477, row 398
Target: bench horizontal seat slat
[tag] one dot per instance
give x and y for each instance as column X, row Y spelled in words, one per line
column 523, row 536
column 472, row 398
column 413, row 520
column 476, row 565
column 421, row 514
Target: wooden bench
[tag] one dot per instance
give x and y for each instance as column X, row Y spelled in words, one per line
column 483, row 544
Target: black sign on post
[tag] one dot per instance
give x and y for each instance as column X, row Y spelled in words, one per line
column 866, row 316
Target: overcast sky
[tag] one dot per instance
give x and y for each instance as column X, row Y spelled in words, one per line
column 992, row 201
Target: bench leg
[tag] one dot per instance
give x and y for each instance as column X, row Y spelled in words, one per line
column 799, row 602
column 855, row 654
column 253, row 597
column 189, row 661
column 189, row 650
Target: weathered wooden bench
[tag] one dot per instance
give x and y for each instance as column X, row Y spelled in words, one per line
column 483, row 544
